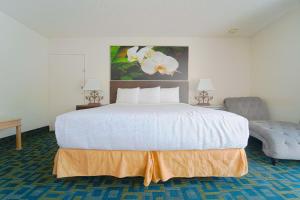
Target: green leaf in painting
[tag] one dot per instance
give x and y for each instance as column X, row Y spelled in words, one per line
column 113, row 52
column 120, row 60
column 124, row 66
column 136, row 74
column 126, row 77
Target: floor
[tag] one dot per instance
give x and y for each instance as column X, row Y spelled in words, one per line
column 27, row 174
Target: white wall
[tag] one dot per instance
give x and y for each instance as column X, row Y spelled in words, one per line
column 276, row 67
column 226, row 61
column 23, row 75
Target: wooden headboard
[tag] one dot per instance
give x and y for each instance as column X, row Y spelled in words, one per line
column 183, row 87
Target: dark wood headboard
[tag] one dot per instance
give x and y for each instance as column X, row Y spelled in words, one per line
column 183, row 87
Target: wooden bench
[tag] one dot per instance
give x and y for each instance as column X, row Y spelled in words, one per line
column 10, row 123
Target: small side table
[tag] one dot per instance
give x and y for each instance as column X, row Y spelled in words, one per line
column 10, row 123
column 87, row 106
column 215, row 107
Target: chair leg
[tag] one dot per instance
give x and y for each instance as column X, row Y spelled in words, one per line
column 273, row 161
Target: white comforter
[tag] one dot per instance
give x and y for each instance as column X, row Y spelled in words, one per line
column 151, row 127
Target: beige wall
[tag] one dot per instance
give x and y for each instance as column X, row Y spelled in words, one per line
column 226, row 61
column 276, row 67
column 23, row 75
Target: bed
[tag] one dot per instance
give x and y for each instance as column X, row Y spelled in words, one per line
column 155, row 141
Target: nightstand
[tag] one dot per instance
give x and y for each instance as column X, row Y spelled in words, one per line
column 87, row 106
column 215, row 107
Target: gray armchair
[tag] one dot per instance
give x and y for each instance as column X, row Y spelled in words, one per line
column 281, row 140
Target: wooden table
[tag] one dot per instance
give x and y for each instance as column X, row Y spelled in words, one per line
column 88, row 106
column 10, row 123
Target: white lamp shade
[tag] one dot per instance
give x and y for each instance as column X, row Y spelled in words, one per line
column 205, row 85
column 92, row 84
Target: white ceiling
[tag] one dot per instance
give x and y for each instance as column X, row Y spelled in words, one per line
column 94, row 18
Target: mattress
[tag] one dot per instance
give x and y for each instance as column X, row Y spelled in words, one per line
column 150, row 128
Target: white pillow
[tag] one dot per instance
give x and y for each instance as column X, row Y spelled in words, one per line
column 149, row 95
column 169, row 95
column 128, row 95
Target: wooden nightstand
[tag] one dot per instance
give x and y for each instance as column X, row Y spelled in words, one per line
column 87, row 106
column 215, row 107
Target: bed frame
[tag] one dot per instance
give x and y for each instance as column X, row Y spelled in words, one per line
column 183, row 87
column 154, row 166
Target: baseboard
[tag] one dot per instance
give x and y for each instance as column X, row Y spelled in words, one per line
column 37, row 130
column 44, row 129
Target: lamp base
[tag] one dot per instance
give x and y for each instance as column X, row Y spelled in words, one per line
column 94, row 98
column 203, row 98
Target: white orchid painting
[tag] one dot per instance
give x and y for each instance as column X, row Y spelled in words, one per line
column 149, row 63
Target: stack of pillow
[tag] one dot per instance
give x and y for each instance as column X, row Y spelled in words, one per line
column 147, row 95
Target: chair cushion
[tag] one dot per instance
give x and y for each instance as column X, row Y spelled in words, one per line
column 252, row 108
column 280, row 139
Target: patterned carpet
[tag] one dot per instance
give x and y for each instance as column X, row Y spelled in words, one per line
column 26, row 174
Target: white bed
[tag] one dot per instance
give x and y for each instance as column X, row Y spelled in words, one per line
column 151, row 127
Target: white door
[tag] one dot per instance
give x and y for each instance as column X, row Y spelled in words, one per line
column 66, row 77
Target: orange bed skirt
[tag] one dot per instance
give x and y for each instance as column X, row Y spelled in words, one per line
column 152, row 165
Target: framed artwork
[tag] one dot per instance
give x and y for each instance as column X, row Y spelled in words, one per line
column 149, row 62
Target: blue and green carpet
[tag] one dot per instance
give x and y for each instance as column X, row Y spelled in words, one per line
column 27, row 174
